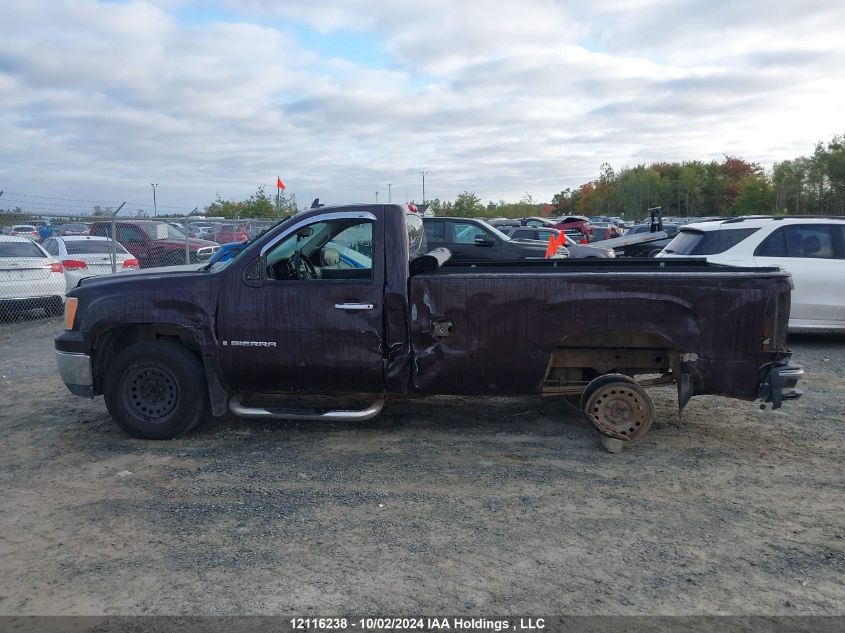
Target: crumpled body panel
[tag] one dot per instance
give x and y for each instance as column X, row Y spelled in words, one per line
column 506, row 326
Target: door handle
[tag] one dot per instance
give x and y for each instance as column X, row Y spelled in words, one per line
column 354, row 306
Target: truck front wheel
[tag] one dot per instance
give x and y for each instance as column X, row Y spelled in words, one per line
column 155, row 390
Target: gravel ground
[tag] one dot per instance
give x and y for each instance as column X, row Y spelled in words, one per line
column 443, row 505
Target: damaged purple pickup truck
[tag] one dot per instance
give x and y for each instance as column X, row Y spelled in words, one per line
column 347, row 302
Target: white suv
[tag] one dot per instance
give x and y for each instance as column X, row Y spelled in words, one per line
column 811, row 248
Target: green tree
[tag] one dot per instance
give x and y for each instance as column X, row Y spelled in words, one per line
column 467, row 205
column 755, row 196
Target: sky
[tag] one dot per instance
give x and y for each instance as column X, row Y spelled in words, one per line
column 503, row 98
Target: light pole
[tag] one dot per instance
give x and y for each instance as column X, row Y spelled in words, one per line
column 389, row 192
column 155, row 208
column 376, row 196
column 423, row 173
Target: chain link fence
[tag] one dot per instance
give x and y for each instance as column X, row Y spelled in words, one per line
column 44, row 255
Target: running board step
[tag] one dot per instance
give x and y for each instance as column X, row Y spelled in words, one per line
column 239, row 409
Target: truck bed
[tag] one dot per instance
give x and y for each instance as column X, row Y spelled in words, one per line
column 503, row 327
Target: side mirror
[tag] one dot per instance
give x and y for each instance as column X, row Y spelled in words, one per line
column 484, row 240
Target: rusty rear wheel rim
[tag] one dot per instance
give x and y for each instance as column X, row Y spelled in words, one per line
column 623, row 408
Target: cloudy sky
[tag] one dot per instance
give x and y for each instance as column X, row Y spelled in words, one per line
column 99, row 99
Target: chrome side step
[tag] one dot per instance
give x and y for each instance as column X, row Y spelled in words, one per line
column 236, row 407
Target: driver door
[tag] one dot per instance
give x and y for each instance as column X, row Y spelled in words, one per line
column 465, row 244
column 315, row 329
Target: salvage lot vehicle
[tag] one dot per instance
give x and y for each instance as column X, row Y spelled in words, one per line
column 87, row 255
column 812, row 249
column 474, row 241
column 534, row 222
column 224, row 233
column 578, row 223
column 575, row 249
column 29, row 277
column 24, row 230
column 650, row 248
column 73, row 228
column 156, row 243
column 164, row 348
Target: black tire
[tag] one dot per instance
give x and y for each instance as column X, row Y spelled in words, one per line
column 156, row 390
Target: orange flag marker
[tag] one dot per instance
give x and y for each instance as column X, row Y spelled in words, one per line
column 551, row 249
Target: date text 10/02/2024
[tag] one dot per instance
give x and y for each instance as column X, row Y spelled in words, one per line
column 421, row 623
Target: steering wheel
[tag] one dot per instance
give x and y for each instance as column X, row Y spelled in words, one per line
column 300, row 267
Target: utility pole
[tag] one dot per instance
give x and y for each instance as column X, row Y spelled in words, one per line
column 423, row 173
column 389, row 192
column 155, row 208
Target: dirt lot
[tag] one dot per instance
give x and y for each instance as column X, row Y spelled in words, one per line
column 445, row 505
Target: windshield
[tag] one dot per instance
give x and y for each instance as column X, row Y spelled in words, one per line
column 162, row 231
column 495, row 231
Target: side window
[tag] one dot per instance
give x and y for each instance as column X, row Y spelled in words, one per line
column 435, row 231
column 466, row 233
column 524, row 234
column 813, row 241
column 101, row 230
column 839, row 235
column 129, row 234
column 332, row 250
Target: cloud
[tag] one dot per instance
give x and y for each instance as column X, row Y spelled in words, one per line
column 501, row 98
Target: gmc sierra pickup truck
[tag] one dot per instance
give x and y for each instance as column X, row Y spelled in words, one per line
column 349, row 302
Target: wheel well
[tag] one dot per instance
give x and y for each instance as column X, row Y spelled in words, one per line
column 112, row 341
column 580, row 358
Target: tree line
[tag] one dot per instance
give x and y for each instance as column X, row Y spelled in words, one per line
column 807, row 185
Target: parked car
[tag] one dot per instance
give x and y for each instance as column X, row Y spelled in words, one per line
column 24, row 230
column 29, row 277
column 200, row 230
column 606, row 231
column 576, row 250
column 500, row 223
column 811, row 249
column 254, row 228
column 156, row 243
column 224, row 233
column 85, row 255
column 578, row 223
column 649, row 249
column 167, row 349
column 470, row 240
column 73, row 228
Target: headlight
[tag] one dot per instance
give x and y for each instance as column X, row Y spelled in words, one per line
column 611, row 253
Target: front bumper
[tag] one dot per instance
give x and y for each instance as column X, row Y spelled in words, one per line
column 75, row 370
